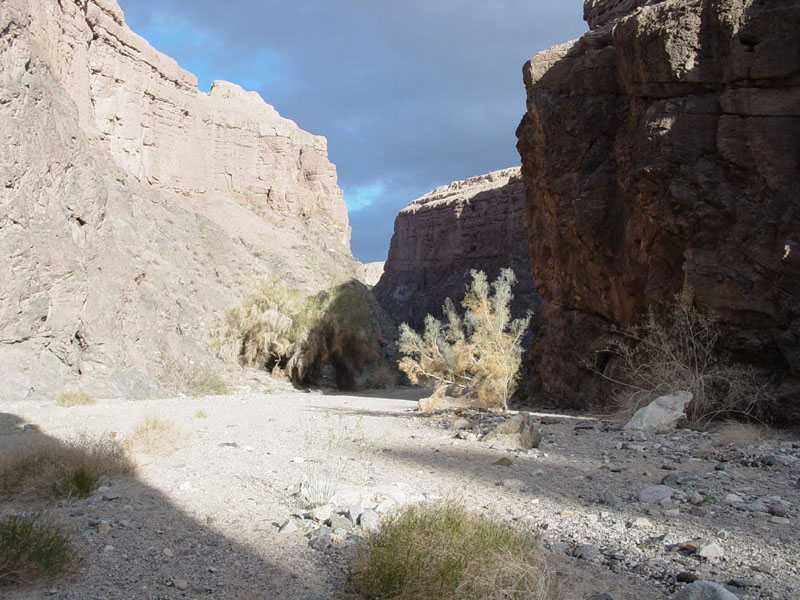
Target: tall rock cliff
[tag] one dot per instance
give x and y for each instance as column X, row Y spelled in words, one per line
column 439, row 237
column 662, row 154
column 135, row 208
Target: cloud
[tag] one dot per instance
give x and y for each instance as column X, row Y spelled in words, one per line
column 362, row 196
column 417, row 93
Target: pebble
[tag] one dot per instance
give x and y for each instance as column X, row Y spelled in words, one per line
column 354, row 512
column 687, row 577
column 780, row 520
column 710, row 549
column 586, row 551
column 514, row 484
column 641, row 522
column 180, row 584
column 369, row 520
column 108, row 548
column 612, row 500
column 321, row 513
column 655, row 493
column 733, row 499
column 704, row 590
column 288, row 526
column 169, row 553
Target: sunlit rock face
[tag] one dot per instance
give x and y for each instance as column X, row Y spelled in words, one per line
column 134, row 209
column 662, row 155
column 438, row 238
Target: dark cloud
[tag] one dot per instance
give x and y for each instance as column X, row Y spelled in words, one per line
column 410, row 94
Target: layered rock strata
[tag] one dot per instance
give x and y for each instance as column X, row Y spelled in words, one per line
column 134, row 209
column 438, row 238
column 662, row 155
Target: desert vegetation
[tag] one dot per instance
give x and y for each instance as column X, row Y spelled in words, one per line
column 679, row 351
column 69, row 398
column 31, row 549
column 157, row 436
column 39, row 466
column 442, row 551
column 186, row 376
column 284, row 330
column 474, row 355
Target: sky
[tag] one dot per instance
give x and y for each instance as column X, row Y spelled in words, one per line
column 411, row 94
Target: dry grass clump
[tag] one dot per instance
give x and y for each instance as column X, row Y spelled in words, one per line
column 185, row 376
column 441, row 551
column 157, row 436
column 280, row 328
column 75, row 398
column 30, row 549
column 679, row 352
column 740, row 434
column 478, row 355
column 37, row 465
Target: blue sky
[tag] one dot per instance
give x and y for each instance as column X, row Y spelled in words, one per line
column 411, row 94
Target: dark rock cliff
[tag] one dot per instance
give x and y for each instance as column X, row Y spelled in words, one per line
column 438, row 238
column 662, row 155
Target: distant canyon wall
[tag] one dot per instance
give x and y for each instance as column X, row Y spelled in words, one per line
column 135, row 209
column 438, row 238
column 662, row 155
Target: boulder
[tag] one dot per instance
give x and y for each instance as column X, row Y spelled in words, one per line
column 704, row 590
column 662, row 414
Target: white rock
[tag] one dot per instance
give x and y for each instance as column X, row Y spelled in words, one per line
column 321, row 513
column 369, row 521
column 655, row 494
column 661, row 414
column 710, row 549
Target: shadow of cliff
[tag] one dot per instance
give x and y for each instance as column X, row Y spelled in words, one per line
column 153, row 542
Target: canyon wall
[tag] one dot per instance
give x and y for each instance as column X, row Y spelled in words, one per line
column 662, row 155
column 438, row 238
column 135, row 209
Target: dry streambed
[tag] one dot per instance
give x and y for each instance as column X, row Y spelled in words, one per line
column 219, row 511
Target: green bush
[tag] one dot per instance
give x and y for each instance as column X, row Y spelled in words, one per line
column 478, row 355
column 280, row 328
column 30, row 549
column 441, row 551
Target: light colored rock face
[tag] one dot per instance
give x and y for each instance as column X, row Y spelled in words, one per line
column 472, row 224
column 370, row 273
column 661, row 155
column 120, row 242
column 662, row 414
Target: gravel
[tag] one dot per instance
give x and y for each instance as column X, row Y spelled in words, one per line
column 233, row 520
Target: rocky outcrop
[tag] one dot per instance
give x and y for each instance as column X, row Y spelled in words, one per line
column 134, row 209
column 441, row 236
column 370, row 273
column 661, row 152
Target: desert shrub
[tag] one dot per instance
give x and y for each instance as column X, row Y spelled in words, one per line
column 190, row 377
column 45, row 467
column 679, row 352
column 30, row 549
column 158, row 436
column 478, row 354
column 441, row 551
column 75, row 398
column 280, row 328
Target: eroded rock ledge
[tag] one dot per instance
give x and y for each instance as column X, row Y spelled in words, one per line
column 661, row 152
column 471, row 224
